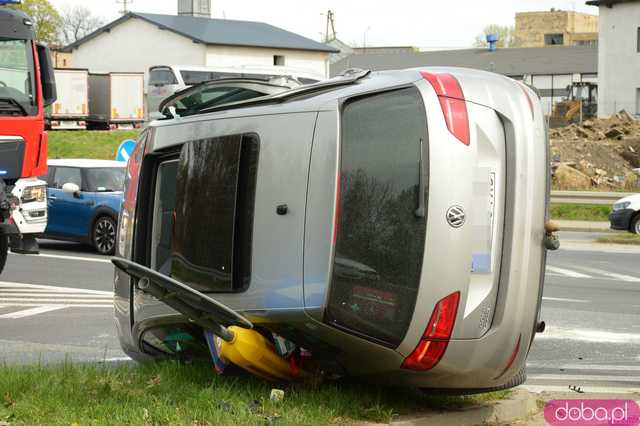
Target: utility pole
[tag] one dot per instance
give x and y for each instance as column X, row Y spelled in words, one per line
column 331, row 25
column 125, row 4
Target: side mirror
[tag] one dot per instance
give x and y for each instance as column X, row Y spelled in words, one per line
column 71, row 188
column 47, row 76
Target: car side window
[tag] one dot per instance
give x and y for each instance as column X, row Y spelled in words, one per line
column 67, row 175
column 49, row 176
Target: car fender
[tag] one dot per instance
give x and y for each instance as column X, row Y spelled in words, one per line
column 103, row 211
column 635, row 202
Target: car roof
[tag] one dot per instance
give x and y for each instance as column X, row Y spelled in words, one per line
column 86, row 163
column 310, row 97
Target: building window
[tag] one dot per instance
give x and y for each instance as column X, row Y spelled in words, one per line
column 554, row 39
column 586, row 43
column 638, row 102
column 278, row 60
column 638, row 44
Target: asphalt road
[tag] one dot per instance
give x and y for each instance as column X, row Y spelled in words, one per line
column 57, row 307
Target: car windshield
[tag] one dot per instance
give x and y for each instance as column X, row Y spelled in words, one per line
column 105, row 179
column 16, row 76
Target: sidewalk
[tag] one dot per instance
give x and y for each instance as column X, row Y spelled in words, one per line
column 583, row 226
column 521, row 408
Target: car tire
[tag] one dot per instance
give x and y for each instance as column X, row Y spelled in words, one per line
column 103, row 235
column 635, row 224
column 4, row 250
column 516, row 380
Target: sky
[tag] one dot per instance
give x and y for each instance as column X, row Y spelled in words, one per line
column 425, row 24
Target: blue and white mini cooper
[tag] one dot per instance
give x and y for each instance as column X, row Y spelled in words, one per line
column 84, row 199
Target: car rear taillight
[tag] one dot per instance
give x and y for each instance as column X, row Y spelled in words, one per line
column 128, row 212
column 436, row 336
column 452, row 102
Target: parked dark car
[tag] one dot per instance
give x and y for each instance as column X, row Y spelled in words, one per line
column 84, row 200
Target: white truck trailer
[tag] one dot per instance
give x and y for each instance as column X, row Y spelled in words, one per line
column 116, row 101
column 71, row 110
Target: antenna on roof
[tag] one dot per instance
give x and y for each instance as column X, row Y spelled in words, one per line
column 125, row 4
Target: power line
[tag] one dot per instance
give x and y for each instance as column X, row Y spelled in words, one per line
column 125, row 4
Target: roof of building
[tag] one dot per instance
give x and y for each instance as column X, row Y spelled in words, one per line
column 511, row 62
column 608, row 3
column 220, row 32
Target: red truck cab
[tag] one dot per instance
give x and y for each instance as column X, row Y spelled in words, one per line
column 27, row 86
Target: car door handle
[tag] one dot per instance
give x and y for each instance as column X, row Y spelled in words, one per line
column 51, row 197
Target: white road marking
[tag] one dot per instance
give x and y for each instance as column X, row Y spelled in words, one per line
column 560, row 299
column 592, row 367
column 586, row 389
column 95, row 305
column 615, row 275
column 64, row 257
column 576, row 379
column 6, row 300
column 59, row 295
column 567, row 272
column 31, row 312
column 40, row 299
column 589, row 335
column 11, row 285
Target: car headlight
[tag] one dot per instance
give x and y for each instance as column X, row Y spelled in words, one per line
column 621, row 206
column 34, row 193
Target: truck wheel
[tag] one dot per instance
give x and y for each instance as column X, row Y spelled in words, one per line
column 635, row 224
column 4, row 250
column 103, row 235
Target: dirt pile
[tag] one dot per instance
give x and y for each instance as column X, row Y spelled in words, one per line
column 598, row 154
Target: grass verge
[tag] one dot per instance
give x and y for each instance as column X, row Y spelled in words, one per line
column 630, row 239
column 174, row 394
column 588, row 212
column 87, row 144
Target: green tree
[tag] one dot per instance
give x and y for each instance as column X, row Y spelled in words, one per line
column 505, row 33
column 46, row 19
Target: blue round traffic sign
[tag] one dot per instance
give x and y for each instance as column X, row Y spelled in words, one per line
column 125, row 149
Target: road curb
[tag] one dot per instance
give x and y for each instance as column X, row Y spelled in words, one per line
column 587, row 229
column 519, row 406
column 583, row 226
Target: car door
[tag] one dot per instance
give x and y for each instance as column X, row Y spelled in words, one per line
column 69, row 214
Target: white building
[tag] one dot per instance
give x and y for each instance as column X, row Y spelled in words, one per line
column 138, row 41
column 619, row 56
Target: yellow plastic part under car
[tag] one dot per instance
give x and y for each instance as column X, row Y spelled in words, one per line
column 251, row 351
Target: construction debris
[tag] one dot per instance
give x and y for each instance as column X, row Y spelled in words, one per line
column 600, row 154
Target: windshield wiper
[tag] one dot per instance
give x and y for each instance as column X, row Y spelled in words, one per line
column 198, row 307
column 12, row 106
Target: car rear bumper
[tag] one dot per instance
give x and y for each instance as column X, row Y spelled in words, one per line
column 621, row 219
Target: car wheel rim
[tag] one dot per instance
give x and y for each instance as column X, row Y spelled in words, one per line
column 638, row 227
column 105, row 237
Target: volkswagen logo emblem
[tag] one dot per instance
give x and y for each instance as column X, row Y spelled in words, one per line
column 456, row 216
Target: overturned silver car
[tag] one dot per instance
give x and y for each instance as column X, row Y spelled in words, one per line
column 389, row 223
